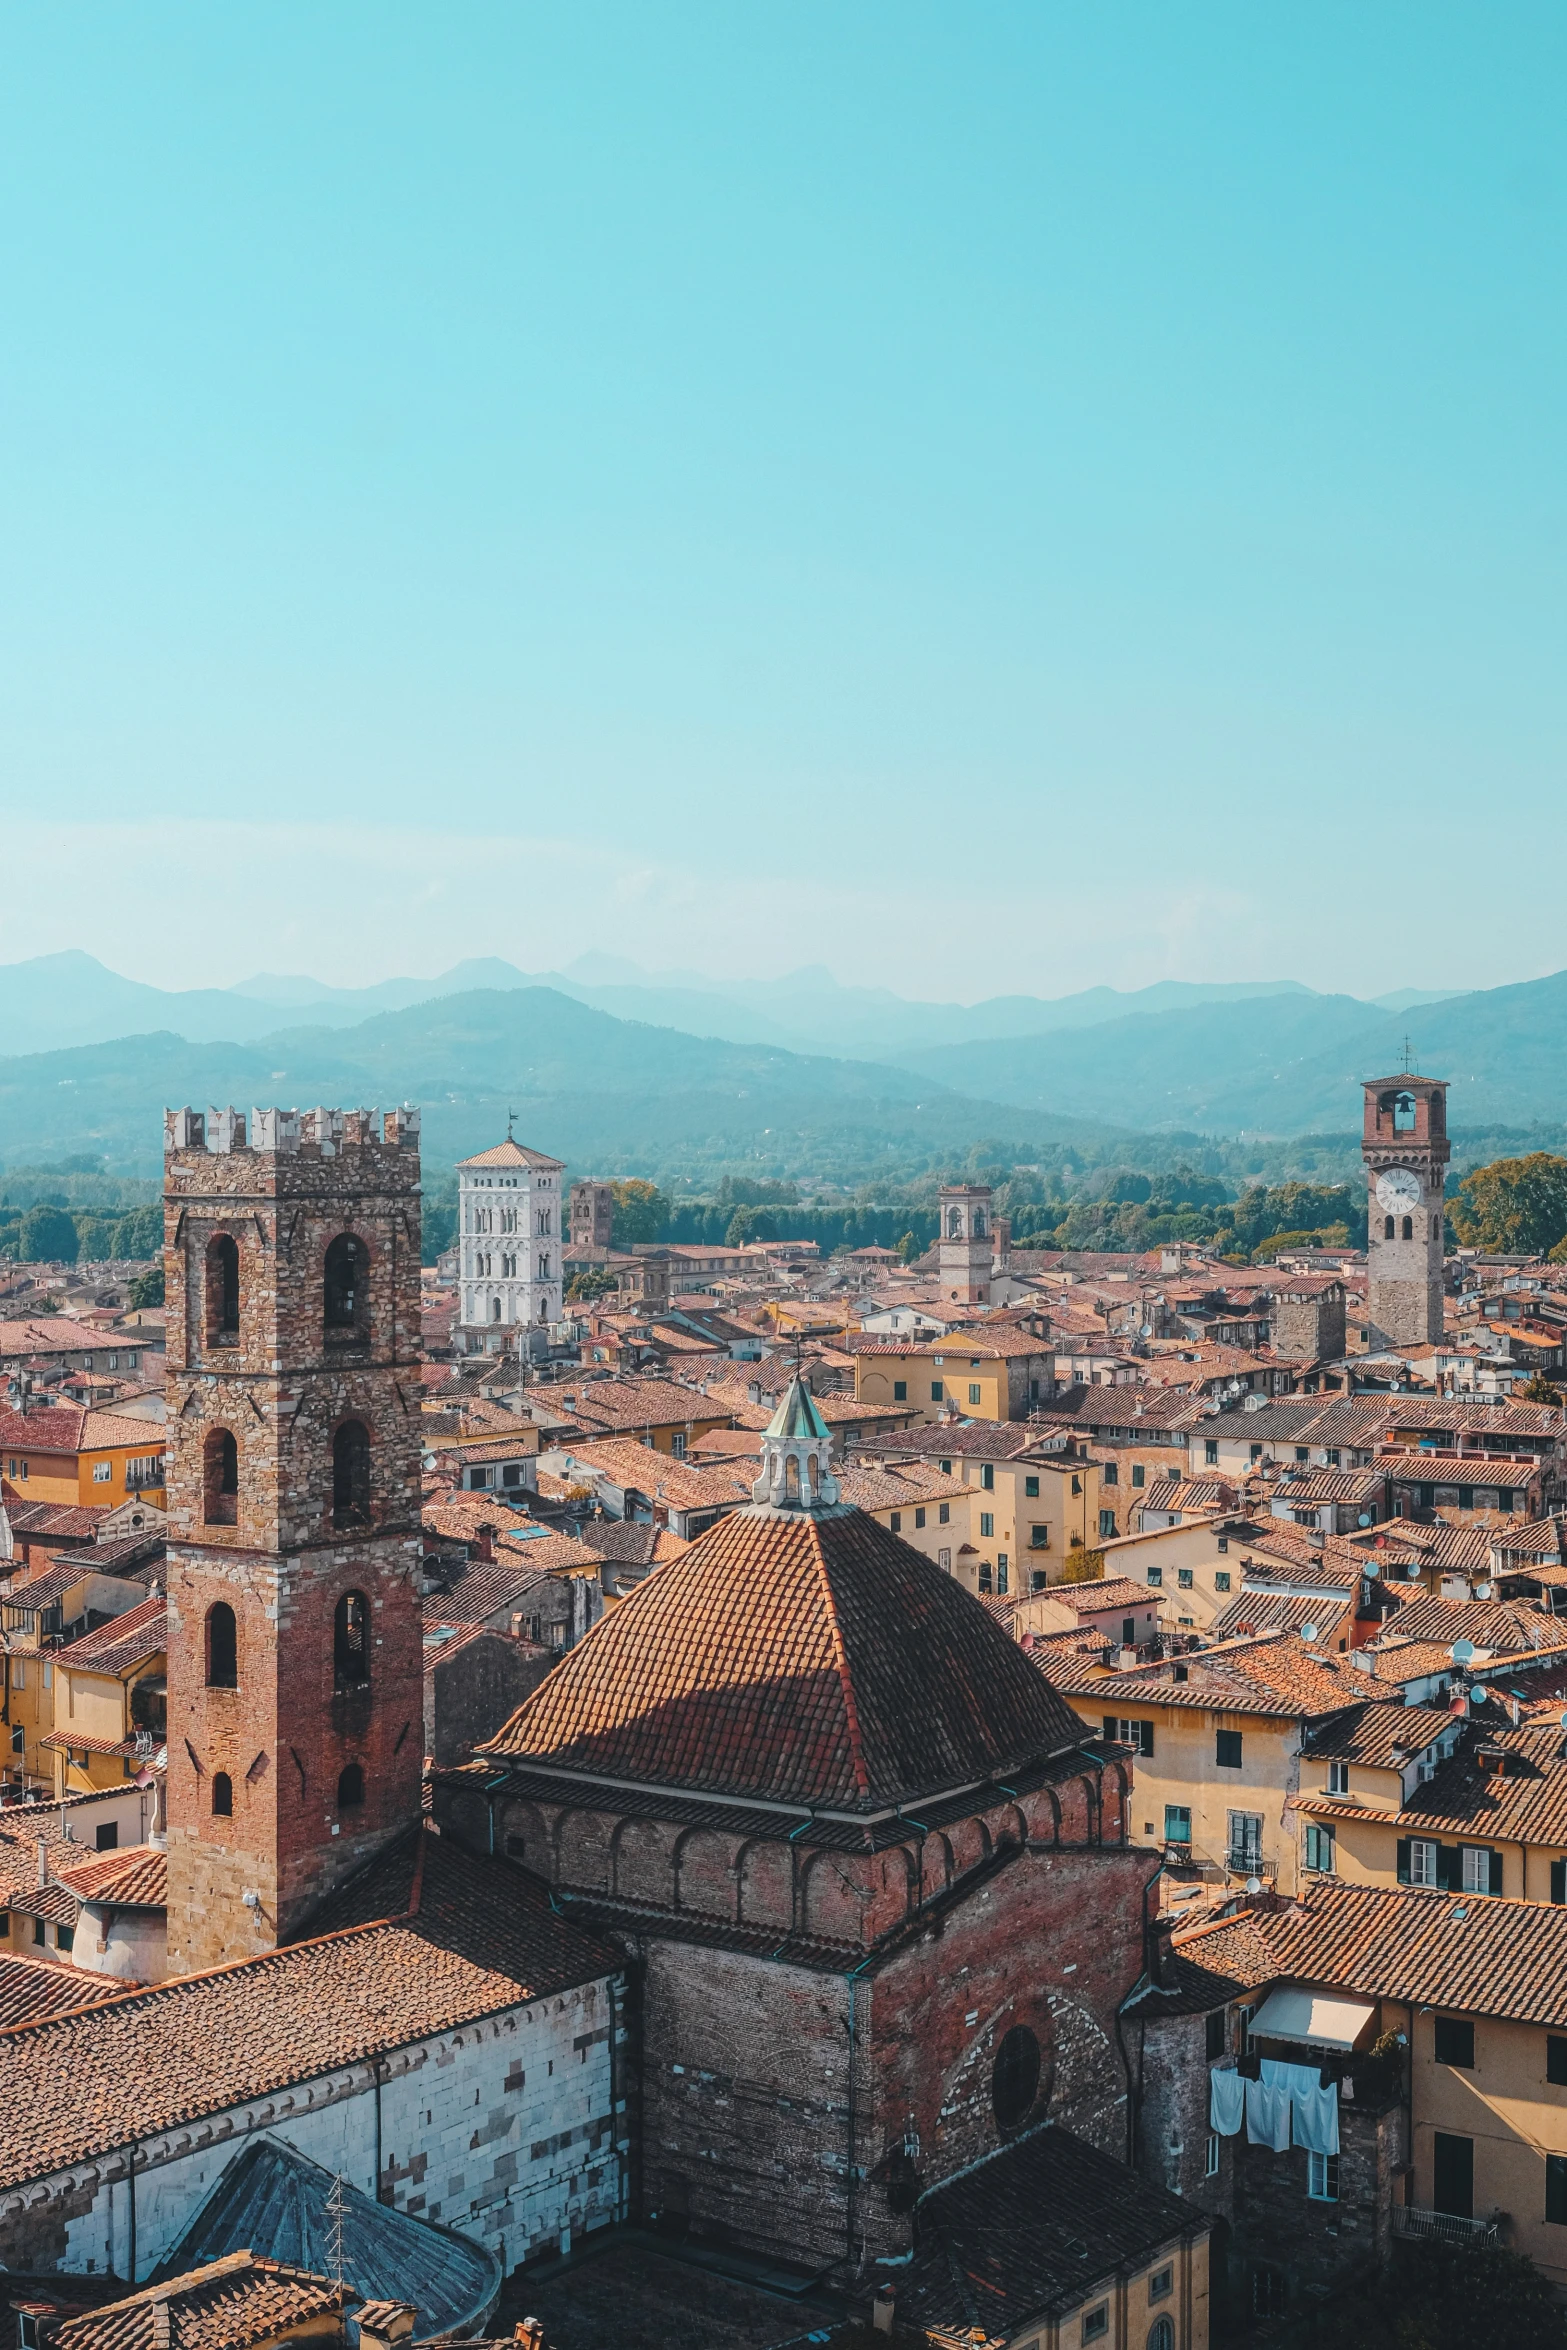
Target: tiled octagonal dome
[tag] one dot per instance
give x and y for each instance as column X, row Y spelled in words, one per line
column 803, row 1656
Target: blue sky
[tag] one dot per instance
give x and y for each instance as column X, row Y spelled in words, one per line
column 1004, row 497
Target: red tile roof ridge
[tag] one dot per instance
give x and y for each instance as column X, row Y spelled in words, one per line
column 259, row 1959
column 845, row 1677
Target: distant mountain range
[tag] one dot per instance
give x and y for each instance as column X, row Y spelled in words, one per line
column 612, row 1067
column 71, row 998
column 1283, row 1064
column 604, row 1093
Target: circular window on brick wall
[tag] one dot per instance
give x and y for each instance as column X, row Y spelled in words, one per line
column 1014, row 2079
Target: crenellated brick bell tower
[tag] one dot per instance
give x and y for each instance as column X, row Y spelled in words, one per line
column 295, row 1700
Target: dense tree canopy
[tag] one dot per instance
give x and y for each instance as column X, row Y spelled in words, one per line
column 1518, row 1206
column 641, row 1212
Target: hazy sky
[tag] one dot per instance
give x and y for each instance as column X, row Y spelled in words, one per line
column 984, row 497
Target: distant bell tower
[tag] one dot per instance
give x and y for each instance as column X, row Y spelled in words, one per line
column 964, row 1250
column 295, row 1701
column 1405, row 1147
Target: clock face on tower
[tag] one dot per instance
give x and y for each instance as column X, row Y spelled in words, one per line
column 1398, row 1191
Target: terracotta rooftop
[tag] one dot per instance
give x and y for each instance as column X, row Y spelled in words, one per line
column 1506, row 1628
column 806, row 1657
column 512, row 1154
column 1526, row 1802
column 426, row 1939
column 1273, row 1675
column 122, row 1644
column 30, row 1988
column 226, row 2306
column 70, row 1427
column 992, row 1440
column 1285, row 1611
column 1471, row 1951
column 1379, row 1732
column 134, row 1879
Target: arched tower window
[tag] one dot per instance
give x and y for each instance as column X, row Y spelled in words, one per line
column 1014, row 2077
column 1389, row 1229
column 351, row 1642
column 222, row 1290
column 495, row 1309
column 979, row 1223
column 350, row 1788
column 1409, row 1227
column 1404, row 1113
column 351, row 1476
column 222, row 1647
column 222, row 1796
column 345, row 1306
column 220, row 1478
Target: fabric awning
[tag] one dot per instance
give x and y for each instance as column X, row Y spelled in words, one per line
column 1312, row 2017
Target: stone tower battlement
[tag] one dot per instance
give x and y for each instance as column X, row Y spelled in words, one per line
column 322, row 1132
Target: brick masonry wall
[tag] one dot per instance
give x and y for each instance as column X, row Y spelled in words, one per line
column 1319, row 2245
column 744, row 2060
column 471, row 1694
column 504, row 2131
column 1308, row 1331
column 282, row 1389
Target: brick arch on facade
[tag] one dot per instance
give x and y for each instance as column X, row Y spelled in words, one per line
column 1093, row 1796
column 837, row 1893
column 582, row 1854
column 1115, row 1802
column 1009, row 1827
column 970, row 1842
column 936, row 1867
column 705, row 1873
column 900, row 1887
column 1044, row 1825
column 521, row 1835
column 766, row 1887
column 641, row 1863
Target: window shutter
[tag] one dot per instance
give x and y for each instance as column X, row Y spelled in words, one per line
column 1110, row 1738
column 1403, row 1860
column 1559, row 1880
column 1147, row 1738
column 1449, row 1868
column 1496, row 1872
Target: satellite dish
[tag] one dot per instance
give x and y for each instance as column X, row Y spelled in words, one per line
column 1364, row 1518
column 1308, row 1631
column 1462, row 1652
column 1478, row 1696
column 1254, row 1884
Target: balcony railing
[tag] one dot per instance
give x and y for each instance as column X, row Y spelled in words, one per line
column 1441, row 2227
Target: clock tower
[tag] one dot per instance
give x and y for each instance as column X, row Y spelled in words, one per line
column 1405, row 1147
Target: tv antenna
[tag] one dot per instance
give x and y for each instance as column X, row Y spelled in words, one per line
column 334, row 2234
column 511, row 1120
column 1409, row 1058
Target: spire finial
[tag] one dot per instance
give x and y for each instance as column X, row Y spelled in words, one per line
column 511, row 1120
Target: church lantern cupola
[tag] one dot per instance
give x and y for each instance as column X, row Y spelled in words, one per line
column 796, row 1451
